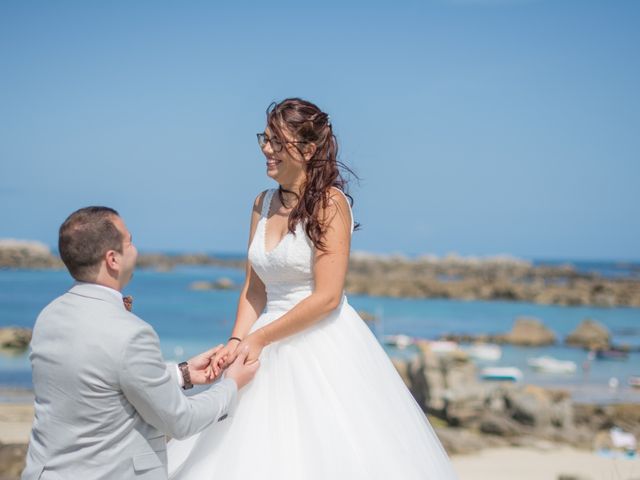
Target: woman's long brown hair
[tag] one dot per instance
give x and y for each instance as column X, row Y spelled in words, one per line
column 308, row 124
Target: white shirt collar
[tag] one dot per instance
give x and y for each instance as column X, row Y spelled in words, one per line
column 116, row 294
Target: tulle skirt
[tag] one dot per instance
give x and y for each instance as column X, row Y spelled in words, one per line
column 327, row 403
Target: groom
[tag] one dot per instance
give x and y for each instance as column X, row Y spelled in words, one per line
column 104, row 397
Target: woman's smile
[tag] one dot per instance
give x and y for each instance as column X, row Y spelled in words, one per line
column 273, row 162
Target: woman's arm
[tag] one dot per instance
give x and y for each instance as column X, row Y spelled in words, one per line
column 330, row 270
column 250, row 304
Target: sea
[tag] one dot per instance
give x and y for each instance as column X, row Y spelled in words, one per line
column 189, row 321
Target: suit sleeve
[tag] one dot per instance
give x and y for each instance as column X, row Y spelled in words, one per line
column 151, row 387
column 174, row 370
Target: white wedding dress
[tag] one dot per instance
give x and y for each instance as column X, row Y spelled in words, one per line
column 326, row 403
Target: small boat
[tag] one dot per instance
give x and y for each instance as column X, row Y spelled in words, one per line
column 634, row 381
column 612, row 355
column 443, row 346
column 484, row 351
column 398, row 341
column 552, row 365
column 509, row 374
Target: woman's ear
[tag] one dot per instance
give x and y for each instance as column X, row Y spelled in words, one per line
column 309, row 150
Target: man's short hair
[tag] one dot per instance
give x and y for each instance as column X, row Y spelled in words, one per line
column 85, row 236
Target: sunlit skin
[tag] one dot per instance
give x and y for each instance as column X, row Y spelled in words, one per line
column 116, row 268
column 288, row 168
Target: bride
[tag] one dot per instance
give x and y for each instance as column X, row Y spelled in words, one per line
column 327, row 402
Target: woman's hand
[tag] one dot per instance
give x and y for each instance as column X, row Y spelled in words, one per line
column 255, row 342
column 224, row 357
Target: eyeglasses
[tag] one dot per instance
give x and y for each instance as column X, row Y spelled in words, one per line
column 276, row 144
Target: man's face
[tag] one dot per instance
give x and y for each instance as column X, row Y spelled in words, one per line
column 129, row 252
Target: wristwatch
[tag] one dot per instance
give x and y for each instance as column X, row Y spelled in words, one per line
column 186, row 376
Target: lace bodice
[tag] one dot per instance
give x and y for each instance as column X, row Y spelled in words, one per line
column 287, row 270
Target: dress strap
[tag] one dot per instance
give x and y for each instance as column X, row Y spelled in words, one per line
column 348, row 206
column 266, row 202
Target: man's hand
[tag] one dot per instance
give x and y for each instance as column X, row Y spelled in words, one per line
column 241, row 372
column 223, row 357
column 200, row 367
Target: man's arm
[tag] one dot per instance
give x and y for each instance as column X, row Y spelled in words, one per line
column 199, row 368
column 150, row 385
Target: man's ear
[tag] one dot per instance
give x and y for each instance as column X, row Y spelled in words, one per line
column 112, row 259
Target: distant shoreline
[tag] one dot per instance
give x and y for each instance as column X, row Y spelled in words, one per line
column 450, row 277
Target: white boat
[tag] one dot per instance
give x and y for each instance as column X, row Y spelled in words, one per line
column 443, row 346
column 510, row 374
column 634, row 381
column 398, row 341
column 484, row 351
column 552, row 365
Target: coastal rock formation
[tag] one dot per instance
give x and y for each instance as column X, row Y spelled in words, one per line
column 12, row 460
column 367, row 317
column 590, row 334
column 497, row 278
column 163, row 262
column 220, row 284
column 458, row 441
column 528, row 332
column 447, row 388
column 26, row 254
column 603, row 417
column 14, row 338
column 436, row 379
column 468, row 278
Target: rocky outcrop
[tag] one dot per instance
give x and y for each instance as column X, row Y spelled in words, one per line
column 162, row 262
column 501, row 278
column 14, row 338
column 26, row 254
column 603, row 417
column 12, row 459
column 528, row 332
column 590, row 334
column 467, row 278
column 220, row 284
column 479, row 414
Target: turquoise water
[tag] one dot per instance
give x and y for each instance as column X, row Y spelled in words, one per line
column 190, row 321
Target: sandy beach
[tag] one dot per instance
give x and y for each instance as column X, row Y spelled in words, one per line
column 15, row 422
column 546, row 462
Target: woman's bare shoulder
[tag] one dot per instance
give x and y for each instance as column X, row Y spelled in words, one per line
column 257, row 203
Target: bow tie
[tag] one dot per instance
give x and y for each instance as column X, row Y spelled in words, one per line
column 128, row 302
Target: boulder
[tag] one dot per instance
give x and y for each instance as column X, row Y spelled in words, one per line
column 366, row 316
column 26, row 254
column 461, row 441
column 15, row 338
column 531, row 406
column 589, row 334
column 220, row 284
column 494, row 424
column 529, row 332
column 443, row 383
column 12, row 459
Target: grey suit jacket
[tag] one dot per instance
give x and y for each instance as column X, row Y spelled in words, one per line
column 104, row 397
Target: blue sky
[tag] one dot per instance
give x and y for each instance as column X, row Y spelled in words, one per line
column 476, row 126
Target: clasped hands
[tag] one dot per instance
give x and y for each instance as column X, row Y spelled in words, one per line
column 208, row 366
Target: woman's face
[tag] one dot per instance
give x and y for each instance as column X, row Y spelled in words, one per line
column 285, row 164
